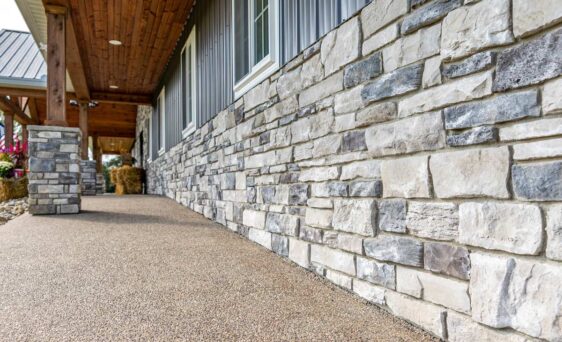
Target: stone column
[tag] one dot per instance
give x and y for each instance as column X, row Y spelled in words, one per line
column 54, row 170
column 88, row 177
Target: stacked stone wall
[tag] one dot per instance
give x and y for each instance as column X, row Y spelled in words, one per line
column 54, row 170
column 412, row 156
column 88, row 177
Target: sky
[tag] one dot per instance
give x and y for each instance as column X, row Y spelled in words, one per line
column 10, row 16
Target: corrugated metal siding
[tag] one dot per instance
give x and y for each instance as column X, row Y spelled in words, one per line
column 305, row 21
column 173, row 108
column 20, row 57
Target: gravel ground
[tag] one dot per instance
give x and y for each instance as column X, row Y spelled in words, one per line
column 144, row 268
column 11, row 209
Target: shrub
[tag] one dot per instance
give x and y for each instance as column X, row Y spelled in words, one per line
column 6, row 169
column 5, row 157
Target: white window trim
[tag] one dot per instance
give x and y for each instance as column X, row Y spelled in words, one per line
column 191, row 40
column 162, row 121
column 267, row 66
column 150, row 137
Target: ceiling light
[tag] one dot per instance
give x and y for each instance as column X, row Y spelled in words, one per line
column 113, row 86
column 115, row 42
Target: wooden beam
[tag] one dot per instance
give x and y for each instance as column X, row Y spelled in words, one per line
column 8, row 106
column 23, row 92
column 74, row 63
column 56, row 66
column 83, row 119
column 33, row 109
column 134, row 99
column 9, row 127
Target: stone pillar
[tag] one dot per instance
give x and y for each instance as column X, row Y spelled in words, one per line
column 100, row 184
column 54, row 170
column 88, row 177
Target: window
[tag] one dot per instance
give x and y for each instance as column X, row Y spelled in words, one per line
column 161, row 114
column 256, row 33
column 188, row 81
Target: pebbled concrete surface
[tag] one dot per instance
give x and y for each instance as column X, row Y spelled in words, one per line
column 145, row 268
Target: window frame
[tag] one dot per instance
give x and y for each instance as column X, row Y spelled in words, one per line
column 270, row 63
column 161, row 106
column 150, row 137
column 191, row 42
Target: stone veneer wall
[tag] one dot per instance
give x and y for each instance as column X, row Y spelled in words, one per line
column 413, row 156
column 88, row 177
column 54, row 170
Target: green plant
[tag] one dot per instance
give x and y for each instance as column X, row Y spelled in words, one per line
column 5, row 157
column 6, row 169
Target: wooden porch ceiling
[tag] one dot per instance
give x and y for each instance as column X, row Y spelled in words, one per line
column 149, row 31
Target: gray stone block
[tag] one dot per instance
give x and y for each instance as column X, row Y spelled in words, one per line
column 280, row 244
column 376, row 272
column 475, row 63
column 401, row 250
column 41, row 165
column 529, row 63
column 311, row 234
column 478, row 135
column 361, row 71
column 282, row 224
column 354, row 141
column 537, row 182
column 365, row 188
column 298, row 194
column 392, row 215
column 503, row 108
column 447, row 259
column 428, row 14
column 397, row 82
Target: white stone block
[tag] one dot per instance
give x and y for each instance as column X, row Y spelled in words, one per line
column 342, row 46
column 260, row 237
column 299, row 252
column 531, row 16
column 538, row 150
column 333, row 258
column 361, row 169
column 422, row 44
column 339, row 279
column 438, row 221
column 534, row 129
column 406, row 178
column 355, row 216
column 380, row 39
column 254, row 219
column 552, row 96
column 554, row 232
column 318, row 217
column 379, row 13
column 372, row 293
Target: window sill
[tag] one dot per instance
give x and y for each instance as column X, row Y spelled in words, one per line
column 188, row 131
column 161, row 152
column 261, row 71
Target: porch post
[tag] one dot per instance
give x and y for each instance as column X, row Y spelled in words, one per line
column 9, row 129
column 24, row 134
column 54, row 149
column 83, row 119
column 56, row 65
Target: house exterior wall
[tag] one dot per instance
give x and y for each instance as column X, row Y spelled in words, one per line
column 412, row 156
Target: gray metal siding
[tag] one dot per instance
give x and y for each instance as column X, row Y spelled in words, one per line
column 303, row 22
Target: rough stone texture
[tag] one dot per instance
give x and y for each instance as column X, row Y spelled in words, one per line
column 380, row 39
column 365, row 189
column 318, row 217
column 471, row 173
column 361, row 169
column 354, row 141
column 475, row 63
column 355, row 216
column 407, row 178
column 254, row 219
column 88, row 177
column 466, row 89
column 538, row 182
column 412, row 48
column 533, row 129
column 428, row 14
column 401, row 250
column 461, row 328
column 427, row 315
column 392, row 216
column 438, row 221
column 299, row 252
column 341, row 46
column 538, row 150
column 361, row 71
column 397, row 82
column 339, row 279
column 450, row 293
column 447, row 259
column 54, row 171
column 375, row 113
column 432, row 72
column 515, row 228
column 512, row 292
column 554, row 232
column 333, row 258
column 472, row 28
column 530, row 62
column 260, row 237
column 284, row 224
column 475, row 136
column 280, row 245
column 503, row 108
column 376, row 272
column 380, row 13
column 371, row 293
column 419, row 133
column 529, row 17
column 552, row 97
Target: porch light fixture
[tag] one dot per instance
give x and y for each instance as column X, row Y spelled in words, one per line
column 112, row 86
column 115, row 42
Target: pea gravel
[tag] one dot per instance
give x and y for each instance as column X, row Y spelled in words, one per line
column 145, row 268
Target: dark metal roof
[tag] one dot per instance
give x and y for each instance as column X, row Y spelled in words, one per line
column 21, row 61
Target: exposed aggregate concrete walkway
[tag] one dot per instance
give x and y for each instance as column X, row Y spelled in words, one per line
column 145, row 268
